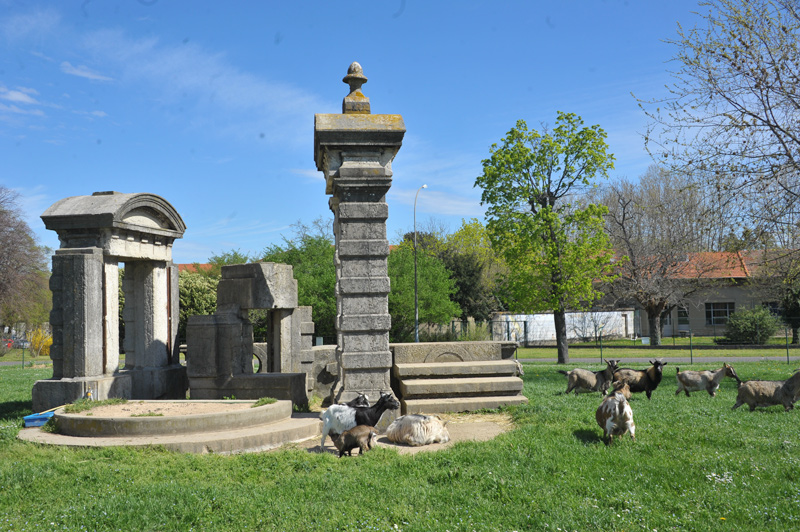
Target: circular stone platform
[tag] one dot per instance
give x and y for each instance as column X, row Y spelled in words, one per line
column 221, row 426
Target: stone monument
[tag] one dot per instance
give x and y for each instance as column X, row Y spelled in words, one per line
column 96, row 233
column 355, row 150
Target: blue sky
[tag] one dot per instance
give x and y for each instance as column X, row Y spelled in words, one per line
column 211, row 104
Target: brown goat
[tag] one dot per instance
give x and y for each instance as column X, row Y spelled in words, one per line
column 361, row 436
column 768, row 393
column 642, row 380
column 583, row 380
column 696, row 381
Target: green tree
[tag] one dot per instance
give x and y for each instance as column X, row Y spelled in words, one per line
column 554, row 244
column 435, row 288
column 198, row 297
column 311, row 254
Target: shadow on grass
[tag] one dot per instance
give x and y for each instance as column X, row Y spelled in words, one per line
column 14, row 409
column 588, row 436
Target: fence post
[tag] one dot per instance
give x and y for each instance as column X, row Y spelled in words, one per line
column 786, row 332
column 508, row 331
column 691, row 349
column 525, row 323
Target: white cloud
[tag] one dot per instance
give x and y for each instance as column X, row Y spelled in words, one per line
column 21, row 95
column 83, row 72
column 16, row 110
column 314, row 175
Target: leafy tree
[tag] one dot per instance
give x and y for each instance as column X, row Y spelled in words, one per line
column 732, row 112
column 311, row 254
column 224, row 259
column 198, row 297
column 41, row 340
column 435, row 288
column 553, row 244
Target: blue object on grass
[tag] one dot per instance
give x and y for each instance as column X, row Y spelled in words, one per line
column 37, row 420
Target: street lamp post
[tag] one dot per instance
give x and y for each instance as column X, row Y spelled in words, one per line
column 416, row 296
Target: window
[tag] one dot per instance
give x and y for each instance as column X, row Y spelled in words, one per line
column 666, row 318
column 683, row 316
column 718, row 313
column 774, row 308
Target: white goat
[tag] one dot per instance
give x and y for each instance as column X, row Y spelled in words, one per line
column 697, row 381
column 615, row 417
column 418, row 429
column 768, row 393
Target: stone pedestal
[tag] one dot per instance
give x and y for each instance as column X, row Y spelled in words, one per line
column 355, row 150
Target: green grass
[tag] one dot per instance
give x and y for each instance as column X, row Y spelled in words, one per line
column 638, row 351
column 696, row 465
column 82, row 405
column 264, row 401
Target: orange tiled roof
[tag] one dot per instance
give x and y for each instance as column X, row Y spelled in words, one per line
column 194, row 267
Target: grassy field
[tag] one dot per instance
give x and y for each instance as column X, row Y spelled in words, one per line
column 696, row 465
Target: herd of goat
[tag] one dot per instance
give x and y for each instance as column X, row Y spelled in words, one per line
column 615, row 417
column 352, row 425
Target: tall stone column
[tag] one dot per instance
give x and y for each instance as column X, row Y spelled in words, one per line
column 355, row 150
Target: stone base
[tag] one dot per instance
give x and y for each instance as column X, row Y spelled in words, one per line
column 168, row 382
column 285, row 386
column 51, row 393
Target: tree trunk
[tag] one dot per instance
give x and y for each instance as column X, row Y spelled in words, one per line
column 654, row 324
column 795, row 337
column 560, row 321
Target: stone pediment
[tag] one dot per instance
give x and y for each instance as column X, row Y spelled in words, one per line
column 141, row 212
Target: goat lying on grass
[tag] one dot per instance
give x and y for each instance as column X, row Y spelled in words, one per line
column 361, row 436
column 697, row 381
column 339, row 418
column 584, row 380
column 614, row 415
column 768, row 393
column 642, row 380
column 418, row 429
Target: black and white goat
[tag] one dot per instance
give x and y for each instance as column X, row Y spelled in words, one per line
column 339, row 418
column 361, row 400
column 642, row 380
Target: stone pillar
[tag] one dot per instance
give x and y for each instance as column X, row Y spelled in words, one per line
column 111, row 316
column 355, row 151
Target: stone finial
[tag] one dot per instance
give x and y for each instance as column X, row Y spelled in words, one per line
column 355, row 102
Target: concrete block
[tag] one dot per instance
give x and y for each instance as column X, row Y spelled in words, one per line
column 445, row 352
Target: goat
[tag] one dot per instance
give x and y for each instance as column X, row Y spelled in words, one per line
column 361, row 399
column 418, row 429
column 620, row 387
column 361, row 436
column 614, row 415
column 696, row 381
column 339, row 418
column 768, row 393
column 584, row 380
column 642, row 380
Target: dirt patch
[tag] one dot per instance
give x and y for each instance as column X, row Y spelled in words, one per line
column 167, row 408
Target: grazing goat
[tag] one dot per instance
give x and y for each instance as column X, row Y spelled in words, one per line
column 697, row 381
column 584, row 380
column 768, row 393
column 361, row 436
column 642, row 380
column 339, row 418
column 418, row 429
column 614, row 415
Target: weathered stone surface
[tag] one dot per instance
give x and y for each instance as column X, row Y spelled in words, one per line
column 467, row 386
column 492, row 368
column 458, row 404
column 261, row 285
column 445, row 352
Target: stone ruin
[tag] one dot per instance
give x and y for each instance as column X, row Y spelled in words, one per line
column 220, row 347
column 96, row 233
column 354, row 150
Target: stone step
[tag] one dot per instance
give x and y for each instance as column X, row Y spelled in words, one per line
column 458, row 404
column 455, row 369
column 460, row 387
column 244, row 440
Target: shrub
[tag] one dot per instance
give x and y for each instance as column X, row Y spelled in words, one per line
column 41, row 340
column 751, row 326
